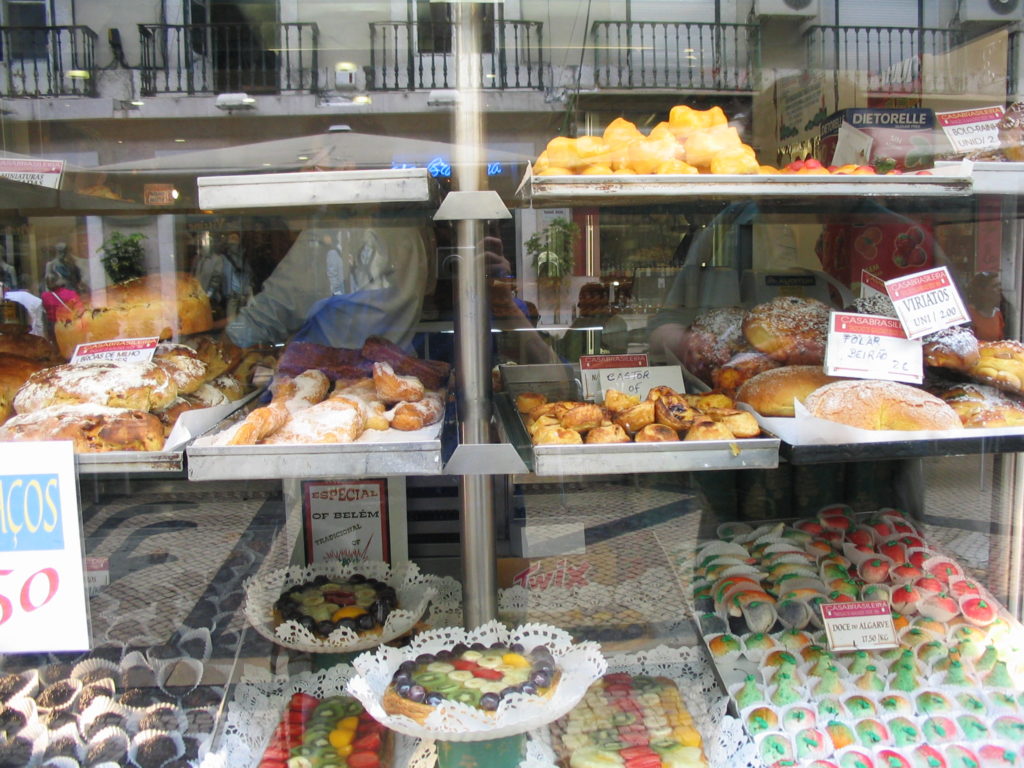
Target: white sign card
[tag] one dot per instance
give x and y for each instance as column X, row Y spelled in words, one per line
column 872, row 347
column 592, row 365
column 30, row 170
column 859, row 626
column 43, row 603
column 640, row 381
column 117, row 350
column 871, row 285
column 972, row 130
column 346, row 520
column 927, row 302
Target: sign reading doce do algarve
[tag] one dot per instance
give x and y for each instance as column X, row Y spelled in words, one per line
column 43, row 603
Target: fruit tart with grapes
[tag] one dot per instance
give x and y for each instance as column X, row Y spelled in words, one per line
column 477, row 675
column 322, row 605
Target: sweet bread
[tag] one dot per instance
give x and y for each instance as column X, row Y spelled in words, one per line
column 772, row 393
column 218, row 356
column 871, row 404
column 790, row 329
column 91, row 428
column 29, row 345
column 656, row 433
column 228, row 385
column 135, row 386
column 712, row 339
column 169, row 416
column 259, row 424
column 14, row 372
column 955, row 348
column 365, row 393
column 527, row 401
column 706, row 428
column 742, row 367
column 979, row 405
column 289, row 396
column 408, row 417
column 182, row 364
column 1001, row 364
column 433, row 373
column 673, row 411
column 607, row 433
column 334, row 420
column 393, row 388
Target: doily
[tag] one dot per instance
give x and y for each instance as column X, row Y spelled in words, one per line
column 415, row 591
column 580, row 664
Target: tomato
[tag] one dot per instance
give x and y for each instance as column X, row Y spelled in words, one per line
column 370, row 742
column 363, row 760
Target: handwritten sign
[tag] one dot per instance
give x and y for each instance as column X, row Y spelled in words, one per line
column 926, row 302
column 592, row 365
column 972, row 130
column 859, row 626
column 117, row 350
column 872, row 347
column 639, row 381
column 43, row 603
column 346, row 520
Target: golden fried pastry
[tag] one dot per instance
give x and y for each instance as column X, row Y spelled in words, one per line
column 607, row 433
column 955, row 348
column 713, row 400
column 419, row 414
column 636, row 418
column 527, row 401
column 673, row 411
column 557, row 436
column 556, row 409
column 656, row 433
column 660, row 391
column 706, row 428
column 615, row 401
column 583, row 417
column 393, row 388
column 1001, row 364
column 740, row 423
column 790, row 329
column 542, row 422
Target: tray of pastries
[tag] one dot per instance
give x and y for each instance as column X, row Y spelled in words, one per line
column 558, row 432
column 122, row 416
column 333, row 412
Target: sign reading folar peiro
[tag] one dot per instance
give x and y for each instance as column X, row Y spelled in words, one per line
column 346, row 520
column 859, row 626
column 43, row 604
column 872, row 347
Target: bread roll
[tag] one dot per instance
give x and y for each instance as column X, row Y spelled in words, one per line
column 955, row 348
column 790, row 329
column 92, row 428
column 136, row 386
column 30, row 346
column 167, row 306
column 871, row 404
column 14, row 372
column 772, row 393
column 742, row 367
column 182, row 364
column 979, row 405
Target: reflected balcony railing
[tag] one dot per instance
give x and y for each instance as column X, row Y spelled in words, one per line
column 409, row 56
column 275, row 57
column 890, row 59
column 696, row 56
column 47, row 61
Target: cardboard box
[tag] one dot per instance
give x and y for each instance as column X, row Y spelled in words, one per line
column 900, row 139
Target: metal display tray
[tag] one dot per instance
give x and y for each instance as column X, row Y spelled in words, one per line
column 391, row 453
column 950, row 181
column 561, row 382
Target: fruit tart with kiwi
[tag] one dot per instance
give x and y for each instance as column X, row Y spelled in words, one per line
column 478, row 675
column 322, row 605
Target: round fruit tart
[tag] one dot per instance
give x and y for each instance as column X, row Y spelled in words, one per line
column 322, row 605
column 478, row 675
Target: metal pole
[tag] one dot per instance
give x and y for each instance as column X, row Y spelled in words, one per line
column 472, row 332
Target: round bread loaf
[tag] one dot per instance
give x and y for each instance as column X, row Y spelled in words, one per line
column 790, row 329
column 182, row 364
column 871, row 404
column 14, row 372
column 714, row 336
column 167, row 306
column 771, row 393
column 137, row 386
column 92, row 428
column 955, row 348
column 28, row 345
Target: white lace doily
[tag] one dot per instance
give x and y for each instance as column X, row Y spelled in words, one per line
column 414, row 589
column 580, row 664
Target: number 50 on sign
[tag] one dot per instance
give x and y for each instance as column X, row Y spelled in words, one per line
column 43, row 605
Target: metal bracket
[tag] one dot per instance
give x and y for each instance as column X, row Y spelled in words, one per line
column 483, row 205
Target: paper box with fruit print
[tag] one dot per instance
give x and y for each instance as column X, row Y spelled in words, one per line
column 889, row 139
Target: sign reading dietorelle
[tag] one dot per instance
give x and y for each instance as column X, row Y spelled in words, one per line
column 872, row 347
column 43, row 603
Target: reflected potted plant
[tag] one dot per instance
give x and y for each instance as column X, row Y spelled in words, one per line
column 123, row 256
column 552, row 252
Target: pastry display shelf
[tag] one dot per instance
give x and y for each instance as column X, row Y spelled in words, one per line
column 131, row 462
column 993, row 178
column 560, row 382
column 315, row 188
column 951, row 181
column 959, row 444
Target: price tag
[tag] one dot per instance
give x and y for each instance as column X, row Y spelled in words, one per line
column 871, row 285
column 97, row 574
column 592, row 365
column 117, row 350
column 972, row 130
column 872, row 347
column 639, row 381
column 859, row 626
column 926, row 302
column 43, row 603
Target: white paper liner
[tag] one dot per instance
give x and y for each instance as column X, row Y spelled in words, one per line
column 580, row 664
column 414, row 590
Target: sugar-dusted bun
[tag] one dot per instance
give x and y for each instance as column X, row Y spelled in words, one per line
column 167, row 306
column 92, row 428
column 136, row 386
column 872, row 404
column 790, row 329
column 772, row 393
column 955, row 348
column 714, row 336
column 182, row 364
column 1001, row 364
column 29, row 345
column 979, row 405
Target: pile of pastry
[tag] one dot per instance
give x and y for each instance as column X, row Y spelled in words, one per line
column 104, row 405
column 310, row 408
column 663, row 416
